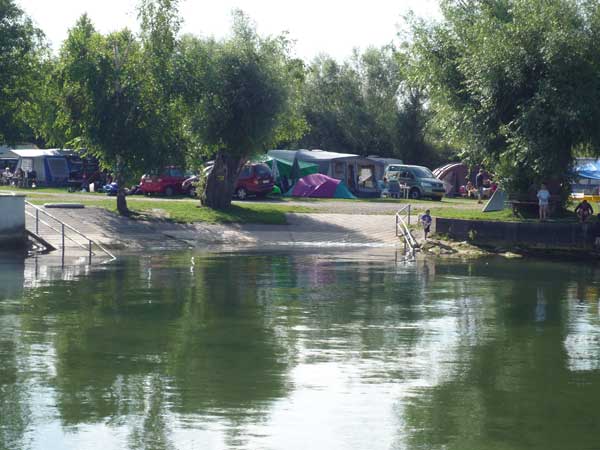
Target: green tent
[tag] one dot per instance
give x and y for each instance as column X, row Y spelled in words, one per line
column 282, row 168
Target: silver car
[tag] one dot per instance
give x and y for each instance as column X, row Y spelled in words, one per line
column 420, row 181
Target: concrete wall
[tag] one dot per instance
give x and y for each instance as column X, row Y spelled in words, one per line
column 561, row 236
column 12, row 221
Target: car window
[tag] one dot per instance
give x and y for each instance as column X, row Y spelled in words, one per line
column 423, row 172
column 174, row 172
column 262, row 171
column 246, row 172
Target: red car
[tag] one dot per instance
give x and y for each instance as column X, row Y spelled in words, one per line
column 168, row 182
column 254, row 179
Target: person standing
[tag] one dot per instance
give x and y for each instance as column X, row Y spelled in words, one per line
column 479, row 181
column 426, row 223
column 543, row 201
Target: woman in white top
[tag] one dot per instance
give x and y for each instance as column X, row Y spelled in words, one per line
column 543, row 200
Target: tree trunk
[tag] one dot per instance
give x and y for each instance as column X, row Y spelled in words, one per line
column 221, row 181
column 121, row 199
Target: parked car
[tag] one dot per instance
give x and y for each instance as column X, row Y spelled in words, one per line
column 189, row 185
column 420, row 180
column 254, row 179
column 168, row 182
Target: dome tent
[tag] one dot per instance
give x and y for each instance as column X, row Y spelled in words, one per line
column 319, row 186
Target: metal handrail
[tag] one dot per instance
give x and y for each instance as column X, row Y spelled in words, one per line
column 64, row 225
column 410, row 243
column 54, row 229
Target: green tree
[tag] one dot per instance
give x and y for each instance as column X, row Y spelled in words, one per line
column 22, row 52
column 366, row 105
column 336, row 110
column 515, row 83
column 101, row 84
column 240, row 97
column 117, row 97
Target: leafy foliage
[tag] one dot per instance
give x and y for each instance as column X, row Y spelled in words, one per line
column 515, row 83
column 116, row 95
column 238, row 90
column 240, row 94
column 22, row 52
column 366, row 106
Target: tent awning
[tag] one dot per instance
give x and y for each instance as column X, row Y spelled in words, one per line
column 36, row 153
column 284, row 167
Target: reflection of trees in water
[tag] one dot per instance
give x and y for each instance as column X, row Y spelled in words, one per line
column 136, row 349
column 15, row 412
column 514, row 389
column 225, row 354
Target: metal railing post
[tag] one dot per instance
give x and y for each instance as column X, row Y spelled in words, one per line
column 90, row 251
column 409, row 213
column 61, row 231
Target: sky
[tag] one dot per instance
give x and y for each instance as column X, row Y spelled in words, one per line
column 333, row 27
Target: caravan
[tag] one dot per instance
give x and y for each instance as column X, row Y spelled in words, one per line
column 51, row 167
column 360, row 173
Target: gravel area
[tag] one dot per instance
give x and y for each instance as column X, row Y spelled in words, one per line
column 379, row 207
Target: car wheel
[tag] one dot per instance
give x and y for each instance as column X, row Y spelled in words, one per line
column 414, row 194
column 241, row 193
column 193, row 193
column 169, row 191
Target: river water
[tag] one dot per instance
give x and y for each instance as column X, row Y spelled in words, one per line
column 273, row 350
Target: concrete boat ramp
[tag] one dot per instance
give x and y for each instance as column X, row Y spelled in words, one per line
column 321, row 230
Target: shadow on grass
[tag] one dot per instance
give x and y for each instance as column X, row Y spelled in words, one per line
column 189, row 213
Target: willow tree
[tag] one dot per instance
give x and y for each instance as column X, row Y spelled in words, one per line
column 116, row 94
column 516, row 83
column 240, row 93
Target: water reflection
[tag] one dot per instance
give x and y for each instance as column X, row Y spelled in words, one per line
column 247, row 350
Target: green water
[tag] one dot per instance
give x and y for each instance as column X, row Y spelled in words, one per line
column 280, row 351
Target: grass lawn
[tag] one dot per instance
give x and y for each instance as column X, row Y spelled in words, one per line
column 186, row 210
column 182, row 211
column 506, row 215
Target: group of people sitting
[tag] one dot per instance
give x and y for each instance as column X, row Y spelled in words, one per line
column 19, row 178
column 484, row 187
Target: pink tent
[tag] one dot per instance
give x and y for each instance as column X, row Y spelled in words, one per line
column 319, row 185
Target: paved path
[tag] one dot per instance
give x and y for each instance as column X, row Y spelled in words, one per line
column 324, row 230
